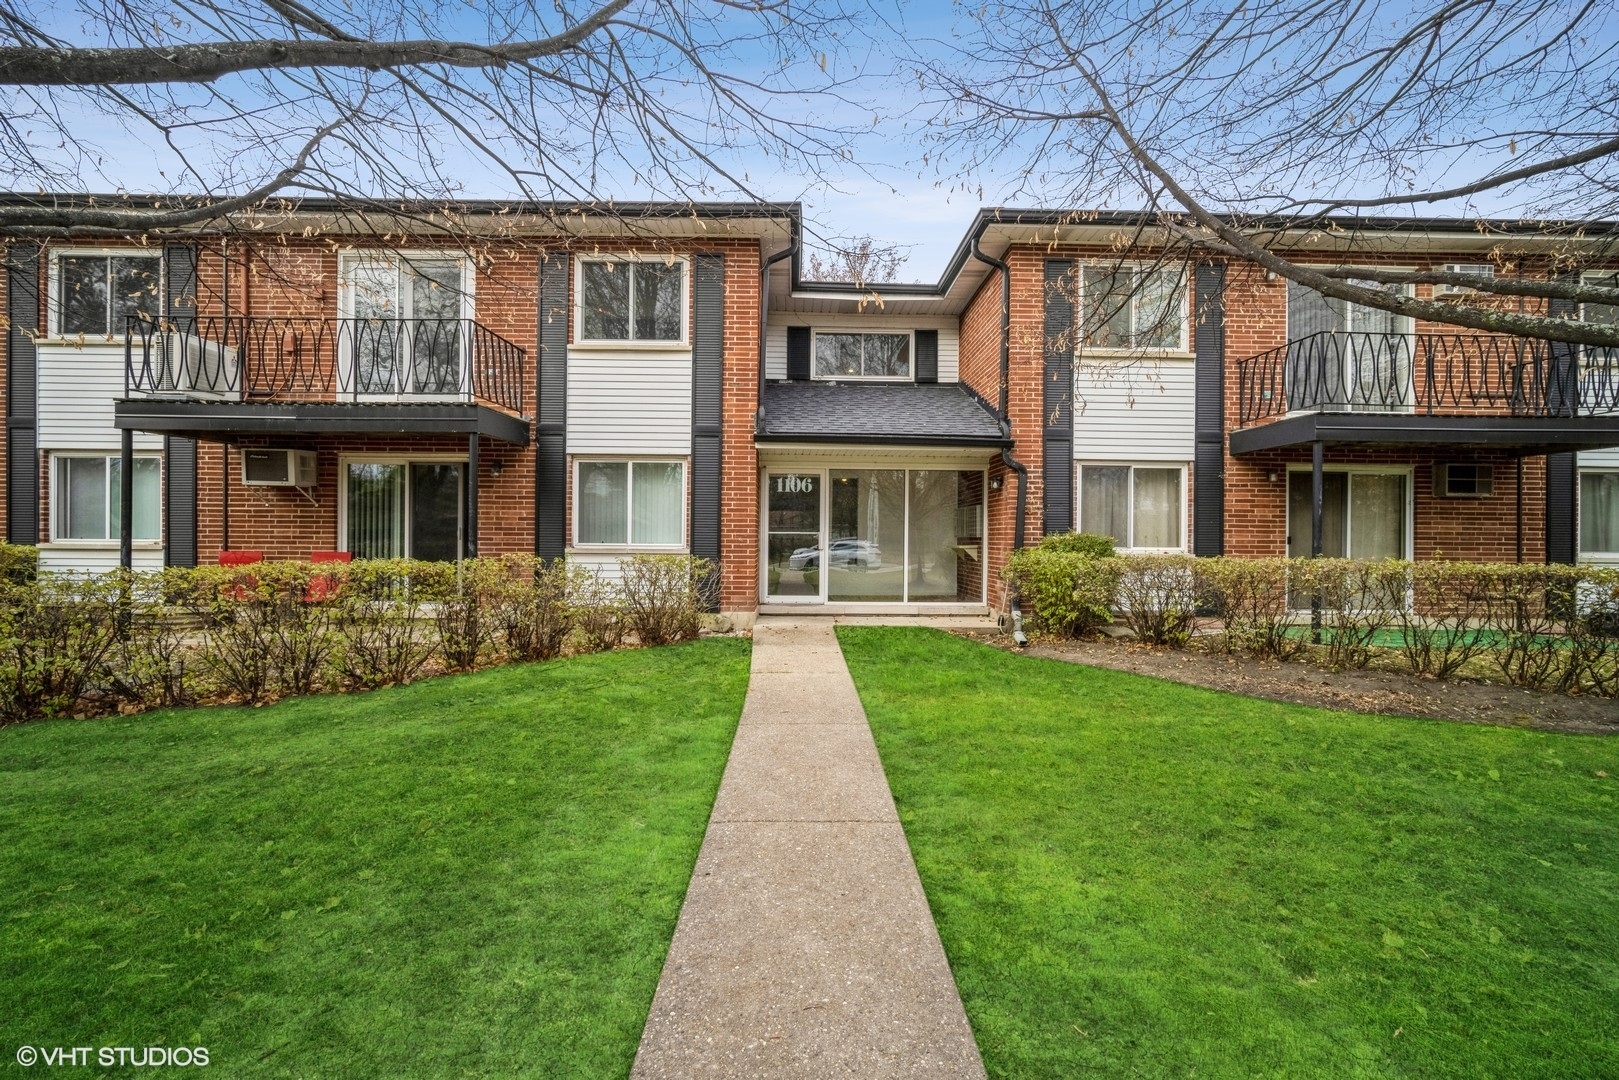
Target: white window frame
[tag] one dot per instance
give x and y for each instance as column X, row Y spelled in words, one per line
column 345, row 460
column 1406, row 290
column 351, row 256
column 1606, row 355
column 1581, row 555
column 1181, row 348
column 53, row 286
column 910, row 335
column 577, row 338
column 1407, row 471
column 1080, row 464
column 631, row 460
column 59, row 494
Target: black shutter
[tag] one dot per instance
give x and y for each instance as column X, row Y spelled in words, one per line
column 1208, row 467
column 798, row 353
column 707, row 381
column 1562, row 470
column 179, row 501
column 22, row 382
column 551, row 436
column 927, row 356
column 180, row 270
column 1057, row 401
column 1562, row 476
column 180, row 454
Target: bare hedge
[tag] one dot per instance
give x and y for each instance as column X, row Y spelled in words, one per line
column 75, row 645
column 1548, row 627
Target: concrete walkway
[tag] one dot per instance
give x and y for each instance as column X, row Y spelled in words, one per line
column 805, row 947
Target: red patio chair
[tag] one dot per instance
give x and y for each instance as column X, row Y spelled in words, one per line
column 244, row 586
column 324, row 586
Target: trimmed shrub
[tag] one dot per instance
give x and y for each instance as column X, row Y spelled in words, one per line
column 56, row 632
column 533, row 612
column 1439, row 628
column 1359, row 602
column 381, row 638
column 597, row 607
column 1068, row 594
column 1157, row 596
column 665, row 596
column 1075, row 543
column 1251, row 597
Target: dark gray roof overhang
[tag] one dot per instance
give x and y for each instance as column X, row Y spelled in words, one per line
column 905, row 414
column 216, row 421
column 1516, row 435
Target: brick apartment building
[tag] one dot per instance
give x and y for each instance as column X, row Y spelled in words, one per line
column 662, row 379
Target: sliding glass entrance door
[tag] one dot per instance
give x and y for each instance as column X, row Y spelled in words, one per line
column 399, row 509
column 874, row 536
column 1363, row 514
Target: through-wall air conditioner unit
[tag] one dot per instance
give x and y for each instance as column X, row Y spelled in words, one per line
column 278, row 468
column 1483, row 270
column 1463, row 481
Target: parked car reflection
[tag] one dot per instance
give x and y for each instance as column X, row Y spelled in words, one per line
column 861, row 554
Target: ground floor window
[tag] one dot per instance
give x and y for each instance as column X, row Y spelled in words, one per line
column 1364, row 515
column 630, row 503
column 1599, row 512
column 86, row 492
column 902, row 536
column 404, row 509
column 1140, row 506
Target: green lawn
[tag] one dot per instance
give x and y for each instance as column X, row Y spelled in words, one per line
column 1137, row 878
column 472, row 876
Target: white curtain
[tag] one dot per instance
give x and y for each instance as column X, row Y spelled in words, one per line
column 376, row 510
column 1157, row 508
column 1104, row 501
column 658, row 497
column 1599, row 512
column 602, row 502
column 1376, row 516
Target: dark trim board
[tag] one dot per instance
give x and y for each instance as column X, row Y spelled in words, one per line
column 217, row 420
column 1518, row 435
column 551, row 440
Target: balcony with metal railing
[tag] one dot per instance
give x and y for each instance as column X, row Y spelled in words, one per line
column 1519, row 394
column 240, row 374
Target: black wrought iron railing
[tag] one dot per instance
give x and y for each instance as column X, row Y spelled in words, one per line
column 1432, row 374
column 240, row 358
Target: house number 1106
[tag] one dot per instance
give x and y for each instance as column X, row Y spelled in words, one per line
column 794, row 485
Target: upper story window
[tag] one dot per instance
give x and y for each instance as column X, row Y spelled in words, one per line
column 1608, row 314
column 96, row 292
column 862, row 356
column 1132, row 307
column 626, row 299
column 402, row 332
column 1309, row 312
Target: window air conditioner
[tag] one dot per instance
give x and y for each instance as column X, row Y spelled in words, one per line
column 278, row 468
column 1464, row 481
column 1484, row 270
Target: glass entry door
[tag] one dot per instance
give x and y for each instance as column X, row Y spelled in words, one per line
column 793, row 538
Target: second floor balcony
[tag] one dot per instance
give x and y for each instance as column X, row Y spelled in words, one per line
column 354, row 361
column 1523, row 394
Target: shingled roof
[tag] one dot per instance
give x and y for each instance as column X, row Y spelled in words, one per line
column 892, row 413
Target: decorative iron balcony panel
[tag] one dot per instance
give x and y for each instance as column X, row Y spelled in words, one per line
column 239, row 358
column 1429, row 374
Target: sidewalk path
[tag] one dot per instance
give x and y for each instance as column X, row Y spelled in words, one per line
column 805, row 947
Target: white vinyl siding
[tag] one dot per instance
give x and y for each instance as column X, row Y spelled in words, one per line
column 1143, row 412
column 77, row 559
column 605, row 565
column 77, row 386
column 776, row 336
column 629, row 403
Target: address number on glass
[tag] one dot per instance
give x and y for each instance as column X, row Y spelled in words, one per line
column 794, row 485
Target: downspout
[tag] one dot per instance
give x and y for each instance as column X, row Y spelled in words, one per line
column 764, row 318
column 1019, row 638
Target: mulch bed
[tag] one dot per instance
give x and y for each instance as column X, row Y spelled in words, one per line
column 1372, row 691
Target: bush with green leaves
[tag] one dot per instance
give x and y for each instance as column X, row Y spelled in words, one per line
column 533, row 607
column 1066, row 593
column 382, row 637
column 1358, row 601
column 1090, row 545
column 56, row 632
column 665, row 596
column 1250, row 596
column 1158, row 596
